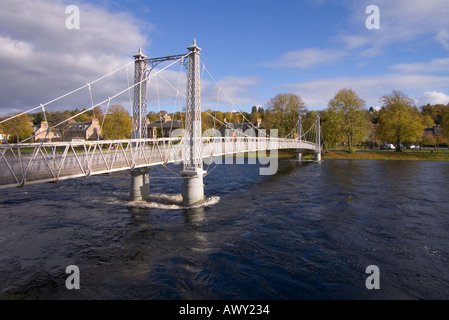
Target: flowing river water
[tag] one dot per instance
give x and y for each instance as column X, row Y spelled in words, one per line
column 307, row 232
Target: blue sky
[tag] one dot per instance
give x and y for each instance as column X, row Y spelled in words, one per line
column 254, row 49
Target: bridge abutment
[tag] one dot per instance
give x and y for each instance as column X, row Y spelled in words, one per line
column 140, row 184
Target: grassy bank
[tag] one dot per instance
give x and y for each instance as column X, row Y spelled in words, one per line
column 374, row 155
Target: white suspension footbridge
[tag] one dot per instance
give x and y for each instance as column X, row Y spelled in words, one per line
column 31, row 162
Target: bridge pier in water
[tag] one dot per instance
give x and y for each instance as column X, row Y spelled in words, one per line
column 192, row 188
column 140, row 184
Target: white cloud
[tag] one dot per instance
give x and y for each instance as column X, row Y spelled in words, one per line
column 41, row 59
column 317, row 93
column 307, row 58
column 402, row 21
column 436, row 65
column 14, row 50
column 167, row 91
column 443, row 38
column 233, row 90
column 433, row 97
column 406, row 23
column 354, row 41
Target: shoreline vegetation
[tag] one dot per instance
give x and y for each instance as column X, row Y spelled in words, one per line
column 362, row 154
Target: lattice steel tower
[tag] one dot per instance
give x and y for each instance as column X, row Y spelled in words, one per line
column 192, row 159
column 139, row 126
column 193, row 188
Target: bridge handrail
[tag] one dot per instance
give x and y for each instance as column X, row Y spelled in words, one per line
column 83, row 143
column 139, row 141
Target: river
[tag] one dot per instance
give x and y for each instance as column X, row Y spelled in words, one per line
column 307, row 232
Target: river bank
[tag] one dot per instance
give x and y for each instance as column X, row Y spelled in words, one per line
column 424, row 155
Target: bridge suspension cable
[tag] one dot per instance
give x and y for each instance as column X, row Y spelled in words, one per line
column 67, row 94
column 92, row 104
column 234, row 107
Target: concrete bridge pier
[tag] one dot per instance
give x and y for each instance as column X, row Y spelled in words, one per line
column 193, row 187
column 299, row 154
column 140, row 184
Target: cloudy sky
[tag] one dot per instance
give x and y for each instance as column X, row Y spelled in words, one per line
column 253, row 49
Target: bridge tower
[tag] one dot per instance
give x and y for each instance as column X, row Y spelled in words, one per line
column 139, row 126
column 193, row 188
column 318, row 139
column 140, row 183
column 299, row 131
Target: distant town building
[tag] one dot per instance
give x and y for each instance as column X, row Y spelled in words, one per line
column 41, row 133
column 435, row 131
column 163, row 128
column 228, row 129
column 81, row 131
column 3, row 138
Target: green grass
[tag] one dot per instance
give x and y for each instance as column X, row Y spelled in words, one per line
column 423, row 155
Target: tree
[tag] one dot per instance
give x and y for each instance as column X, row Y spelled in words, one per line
column 37, row 118
column 153, row 116
column 262, row 112
column 436, row 112
column 330, row 128
column 283, row 112
column 58, row 118
column 97, row 112
column 18, row 128
column 255, row 117
column 349, row 119
column 228, row 116
column 399, row 120
column 445, row 123
column 211, row 119
column 254, row 110
column 84, row 117
column 428, row 121
column 309, row 120
column 207, row 122
column 117, row 124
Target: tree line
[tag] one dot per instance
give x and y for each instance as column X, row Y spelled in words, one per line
column 346, row 120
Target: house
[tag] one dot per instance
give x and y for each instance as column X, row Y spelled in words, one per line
column 228, row 129
column 4, row 138
column 435, row 131
column 82, row 131
column 163, row 127
column 41, row 135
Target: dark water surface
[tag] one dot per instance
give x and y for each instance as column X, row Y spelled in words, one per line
column 308, row 232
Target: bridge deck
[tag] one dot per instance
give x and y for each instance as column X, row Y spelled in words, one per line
column 22, row 164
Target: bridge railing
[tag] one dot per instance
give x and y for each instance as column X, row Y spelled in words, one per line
column 20, row 163
column 216, row 146
column 53, row 161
